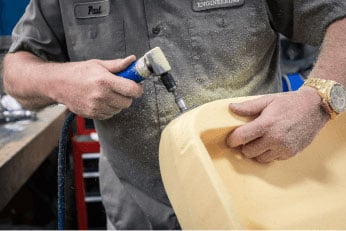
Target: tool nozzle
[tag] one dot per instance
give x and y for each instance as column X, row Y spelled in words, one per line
column 180, row 102
column 168, row 80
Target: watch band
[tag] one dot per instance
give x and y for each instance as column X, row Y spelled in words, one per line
column 323, row 87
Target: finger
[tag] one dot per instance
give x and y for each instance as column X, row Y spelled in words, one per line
column 247, row 133
column 105, row 111
column 117, row 65
column 255, row 148
column 286, row 156
column 119, row 102
column 104, row 116
column 251, row 107
column 283, row 157
column 106, row 100
column 125, row 87
column 268, row 156
column 100, row 114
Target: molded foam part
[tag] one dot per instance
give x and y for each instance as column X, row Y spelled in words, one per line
column 212, row 186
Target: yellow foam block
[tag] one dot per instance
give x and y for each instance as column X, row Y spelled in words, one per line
column 213, row 187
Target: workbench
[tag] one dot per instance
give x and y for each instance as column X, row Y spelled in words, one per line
column 24, row 145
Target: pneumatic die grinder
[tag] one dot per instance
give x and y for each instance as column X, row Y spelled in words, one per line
column 154, row 63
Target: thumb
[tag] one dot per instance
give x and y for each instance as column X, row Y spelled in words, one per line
column 251, row 107
column 117, row 65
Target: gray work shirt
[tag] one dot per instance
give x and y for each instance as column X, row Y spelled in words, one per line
column 217, row 49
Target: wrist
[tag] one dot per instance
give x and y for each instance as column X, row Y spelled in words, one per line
column 315, row 100
column 57, row 77
column 311, row 93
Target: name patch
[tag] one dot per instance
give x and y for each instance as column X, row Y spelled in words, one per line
column 91, row 9
column 199, row 5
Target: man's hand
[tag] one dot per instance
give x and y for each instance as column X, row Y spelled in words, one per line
column 87, row 88
column 285, row 124
column 93, row 91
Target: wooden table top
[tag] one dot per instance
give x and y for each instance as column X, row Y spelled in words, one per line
column 24, row 145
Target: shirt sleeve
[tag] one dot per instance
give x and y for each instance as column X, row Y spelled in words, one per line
column 305, row 21
column 40, row 31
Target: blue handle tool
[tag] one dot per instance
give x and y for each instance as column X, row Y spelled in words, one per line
column 131, row 73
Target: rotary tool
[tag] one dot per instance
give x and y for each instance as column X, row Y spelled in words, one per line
column 10, row 112
column 16, row 115
column 154, row 63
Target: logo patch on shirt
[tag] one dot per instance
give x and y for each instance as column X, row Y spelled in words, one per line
column 91, row 9
column 200, row 5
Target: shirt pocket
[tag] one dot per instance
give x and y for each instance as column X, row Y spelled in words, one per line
column 232, row 35
column 94, row 37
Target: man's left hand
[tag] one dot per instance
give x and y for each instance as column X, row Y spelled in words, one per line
column 284, row 125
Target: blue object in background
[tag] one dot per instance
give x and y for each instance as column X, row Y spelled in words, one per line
column 292, row 82
column 10, row 13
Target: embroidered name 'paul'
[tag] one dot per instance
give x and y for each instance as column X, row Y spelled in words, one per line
column 92, row 10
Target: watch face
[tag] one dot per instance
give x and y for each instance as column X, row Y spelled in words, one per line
column 338, row 98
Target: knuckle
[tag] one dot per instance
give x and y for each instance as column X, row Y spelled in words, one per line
column 93, row 112
column 88, row 65
column 98, row 97
column 266, row 124
column 101, row 83
column 94, row 109
column 93, row 61
column 278, row 139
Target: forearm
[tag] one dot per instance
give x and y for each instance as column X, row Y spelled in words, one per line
column 331, row 63
column 88, row 88
column 30, row 80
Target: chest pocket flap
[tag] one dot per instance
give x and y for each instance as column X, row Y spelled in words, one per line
column 92, row 29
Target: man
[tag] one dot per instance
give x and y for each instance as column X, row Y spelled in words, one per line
column 67, row 51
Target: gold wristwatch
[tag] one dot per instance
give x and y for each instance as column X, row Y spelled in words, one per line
column 333, row 95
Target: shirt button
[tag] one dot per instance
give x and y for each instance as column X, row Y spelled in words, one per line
column 156, row 30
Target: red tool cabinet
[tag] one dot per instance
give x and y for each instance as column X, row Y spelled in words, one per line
column 86, row 152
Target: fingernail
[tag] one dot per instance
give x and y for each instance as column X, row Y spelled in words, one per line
column 231, row 143
column 232, row 105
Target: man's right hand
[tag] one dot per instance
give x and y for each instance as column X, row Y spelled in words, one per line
column 88, row 88
column 93, row 91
